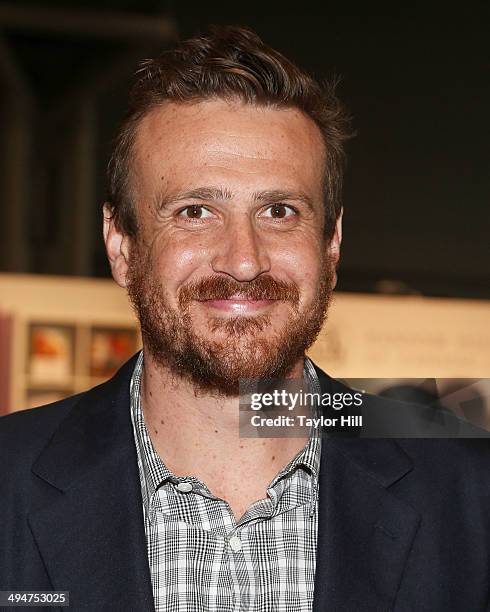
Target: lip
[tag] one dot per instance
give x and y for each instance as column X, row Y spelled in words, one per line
column 238, row 304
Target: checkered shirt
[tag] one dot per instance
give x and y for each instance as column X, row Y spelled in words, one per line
column 201, row 558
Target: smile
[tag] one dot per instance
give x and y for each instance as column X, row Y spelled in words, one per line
column 238, row 305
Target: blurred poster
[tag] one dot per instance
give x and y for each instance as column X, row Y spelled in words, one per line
column 109, row 349
column 51, row 353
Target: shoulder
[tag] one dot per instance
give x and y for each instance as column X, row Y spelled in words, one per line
column 387, row 417
column 446, row 456
column 23, row 436
column 26, row 432
column 448, row 483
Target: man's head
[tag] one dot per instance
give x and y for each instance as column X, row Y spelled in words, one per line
column 224, row 213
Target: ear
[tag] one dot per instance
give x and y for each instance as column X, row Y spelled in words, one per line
column 117, row 247
column 333, row 247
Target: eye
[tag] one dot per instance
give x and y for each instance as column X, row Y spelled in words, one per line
column 195, row 211
column 280, row 211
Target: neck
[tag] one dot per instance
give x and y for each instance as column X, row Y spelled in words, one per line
column 197, row 434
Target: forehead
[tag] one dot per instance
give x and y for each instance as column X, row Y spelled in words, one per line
column 177, row 144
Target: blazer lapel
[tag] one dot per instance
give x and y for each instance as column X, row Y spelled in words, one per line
column 87, row 516
column 365, row 533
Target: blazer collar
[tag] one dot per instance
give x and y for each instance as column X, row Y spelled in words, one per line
column 87, row 516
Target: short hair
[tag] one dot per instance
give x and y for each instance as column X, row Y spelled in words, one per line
column 230, row 62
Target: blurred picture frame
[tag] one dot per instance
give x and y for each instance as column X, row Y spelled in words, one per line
column 51, row 353
column 110, row 347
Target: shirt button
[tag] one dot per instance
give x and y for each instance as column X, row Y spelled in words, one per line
column 185, row 487
column 235, row 543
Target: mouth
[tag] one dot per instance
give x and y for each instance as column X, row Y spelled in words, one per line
column 238, row 304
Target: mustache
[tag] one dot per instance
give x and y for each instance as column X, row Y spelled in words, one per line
column 221, row 288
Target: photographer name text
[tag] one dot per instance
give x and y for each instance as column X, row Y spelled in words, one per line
column 304, row 421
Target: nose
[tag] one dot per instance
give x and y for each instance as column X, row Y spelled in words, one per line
column 241, row 252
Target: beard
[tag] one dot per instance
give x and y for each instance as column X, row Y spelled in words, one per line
column 236, row 348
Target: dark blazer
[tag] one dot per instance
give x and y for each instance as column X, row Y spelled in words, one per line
column 403, row 524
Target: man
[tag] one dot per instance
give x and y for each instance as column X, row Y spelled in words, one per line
column 224, row 226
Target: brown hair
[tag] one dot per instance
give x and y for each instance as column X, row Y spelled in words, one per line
column 230, row 62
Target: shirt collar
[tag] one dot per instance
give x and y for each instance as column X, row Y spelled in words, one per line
column 309, row 456
column 153, row 472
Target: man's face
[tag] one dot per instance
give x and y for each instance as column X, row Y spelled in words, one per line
column 230, row 274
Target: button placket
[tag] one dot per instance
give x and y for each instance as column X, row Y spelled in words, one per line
column 235, row 543
column 185, row 487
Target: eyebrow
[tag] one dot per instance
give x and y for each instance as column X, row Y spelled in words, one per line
column 220, row 194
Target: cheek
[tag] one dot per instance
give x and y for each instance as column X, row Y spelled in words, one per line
column 177, row 261
column 301, row 261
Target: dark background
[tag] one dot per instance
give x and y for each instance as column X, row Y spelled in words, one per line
column 417, row 189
